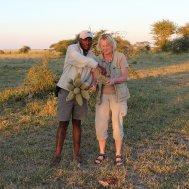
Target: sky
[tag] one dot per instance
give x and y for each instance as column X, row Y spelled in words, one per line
column 40, row 23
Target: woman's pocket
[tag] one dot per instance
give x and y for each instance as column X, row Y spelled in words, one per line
column 124, row 109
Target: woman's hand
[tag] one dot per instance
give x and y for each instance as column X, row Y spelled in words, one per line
column 121, row 79
column 111, row 81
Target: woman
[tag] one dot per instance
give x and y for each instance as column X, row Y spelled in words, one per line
column 111, row 97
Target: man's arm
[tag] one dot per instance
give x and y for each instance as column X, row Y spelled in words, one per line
column 79, row 60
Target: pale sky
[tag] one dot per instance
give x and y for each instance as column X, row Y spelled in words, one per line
column 40, row 23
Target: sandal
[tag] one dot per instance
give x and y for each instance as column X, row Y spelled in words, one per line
column 100, row 159
column 119, row 160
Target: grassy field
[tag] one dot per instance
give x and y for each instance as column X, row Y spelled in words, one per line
column 155, row 146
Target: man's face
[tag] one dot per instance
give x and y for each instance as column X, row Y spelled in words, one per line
column 86, row 43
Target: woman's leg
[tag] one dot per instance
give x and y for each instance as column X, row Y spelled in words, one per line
column 102, row 146
column 101, row 125
column 101, row 156
column 118, row 145
column 119, row 110
column 101, row 122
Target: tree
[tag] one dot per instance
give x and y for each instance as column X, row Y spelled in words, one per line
column 142, row 46
column 24, row 49
column 184, row 30
column 162, row 31
column 122, row 44
column 62, row 45
column 95, row 41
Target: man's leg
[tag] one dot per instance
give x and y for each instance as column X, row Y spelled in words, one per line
column 76, row 137
column 60, row 137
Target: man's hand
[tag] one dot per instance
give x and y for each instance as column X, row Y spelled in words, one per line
column 101, row 69
column 92, row 88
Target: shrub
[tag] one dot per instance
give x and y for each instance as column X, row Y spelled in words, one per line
column 42, row 108
column 39, row 79
column 2, row 52
column 24, row 49
column 13, row 94
column 179, row 45
column 62, row 46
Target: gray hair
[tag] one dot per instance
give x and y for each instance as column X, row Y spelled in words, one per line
column 108, row 38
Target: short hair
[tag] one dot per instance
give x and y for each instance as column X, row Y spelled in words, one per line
column 108, row 38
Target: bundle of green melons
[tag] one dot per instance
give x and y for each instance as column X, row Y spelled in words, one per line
column 78, row 90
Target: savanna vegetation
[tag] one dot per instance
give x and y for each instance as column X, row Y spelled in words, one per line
column 162, row 33
column 156, row 143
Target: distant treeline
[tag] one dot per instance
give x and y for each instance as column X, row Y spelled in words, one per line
column 162, row 32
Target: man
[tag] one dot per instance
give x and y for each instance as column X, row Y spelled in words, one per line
column 78, row 59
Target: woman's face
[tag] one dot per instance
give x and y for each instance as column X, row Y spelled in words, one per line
column 106, row 47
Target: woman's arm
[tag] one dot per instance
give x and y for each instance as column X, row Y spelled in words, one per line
column 121, row 79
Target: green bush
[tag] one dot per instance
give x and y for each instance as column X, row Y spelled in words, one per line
column 179, row 45
column 39, row 79
column 62, row 46
column 13, row 94
column 24, row 49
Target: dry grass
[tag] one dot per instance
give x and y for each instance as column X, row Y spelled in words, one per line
column 155, row 147
column 162, row 71
column 14, row 54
